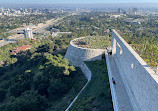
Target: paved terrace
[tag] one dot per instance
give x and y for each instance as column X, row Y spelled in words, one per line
column 121, row 100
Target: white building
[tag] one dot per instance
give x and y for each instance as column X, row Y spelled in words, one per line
column 115, row 16
column 28, row 33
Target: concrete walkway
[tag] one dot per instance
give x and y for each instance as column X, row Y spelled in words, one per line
column 121, row 100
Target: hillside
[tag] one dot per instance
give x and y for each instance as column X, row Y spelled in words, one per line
column 96, row 96
column 39, row 78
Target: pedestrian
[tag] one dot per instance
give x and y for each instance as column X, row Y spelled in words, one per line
column 113, row 81
column 110, row 52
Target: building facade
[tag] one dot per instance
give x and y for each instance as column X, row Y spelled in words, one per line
column 28, row 33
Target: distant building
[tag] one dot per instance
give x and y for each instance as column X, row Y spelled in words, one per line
column 119, row 10
column 115, row 16
column 1, row 10
column 40, row 24
column 28, row 33
column 136, row 22
column 55, row 30
column 135, row 11
column 21, row 48
column 46, row 11
column 30, row 10
column 54, row 34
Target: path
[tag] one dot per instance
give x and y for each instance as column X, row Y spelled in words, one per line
column 87, row 74
column 121, row 100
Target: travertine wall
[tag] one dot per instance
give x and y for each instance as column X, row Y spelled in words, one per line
column 76, row 55
column 140, row 80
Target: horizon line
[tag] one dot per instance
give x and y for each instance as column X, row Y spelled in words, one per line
column 79, row 3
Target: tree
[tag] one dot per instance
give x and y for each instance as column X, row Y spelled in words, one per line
column 2, row 94
column 61, row 64
column 28, row 101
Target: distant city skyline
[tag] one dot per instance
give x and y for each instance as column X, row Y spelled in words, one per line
column 73, row 1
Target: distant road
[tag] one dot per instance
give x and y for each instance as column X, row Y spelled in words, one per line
column 35, row 28
column 6, row 42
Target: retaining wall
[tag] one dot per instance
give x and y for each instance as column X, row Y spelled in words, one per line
column 140, row 80
column 76, row 55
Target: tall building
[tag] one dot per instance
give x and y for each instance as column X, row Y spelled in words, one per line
column 28, row 33
column 135, row 11
column 46, row 11
column 30, row 10
column 119, row 10
column 1, row 9
column 26, row 10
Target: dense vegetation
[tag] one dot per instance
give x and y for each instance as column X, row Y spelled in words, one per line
column 144, row 40
column 39, row 78
column 11, row 22
column 93, row 42
column 142, row 37
column 96, row 96
column 83, row 24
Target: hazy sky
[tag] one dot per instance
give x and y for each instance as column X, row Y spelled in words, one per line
column 76, row 1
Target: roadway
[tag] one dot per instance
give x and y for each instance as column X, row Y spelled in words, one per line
column 34, row 29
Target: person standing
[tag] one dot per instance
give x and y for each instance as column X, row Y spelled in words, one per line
column 113, row 81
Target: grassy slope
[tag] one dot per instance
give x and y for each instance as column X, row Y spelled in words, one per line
column 93, row 42
column 65, row 101
column 96, row 96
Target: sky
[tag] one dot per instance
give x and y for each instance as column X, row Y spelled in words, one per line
column 75, row 1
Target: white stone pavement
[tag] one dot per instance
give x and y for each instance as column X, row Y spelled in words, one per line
column 121, row 100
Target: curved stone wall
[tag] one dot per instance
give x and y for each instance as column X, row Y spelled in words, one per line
column 76, row 55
